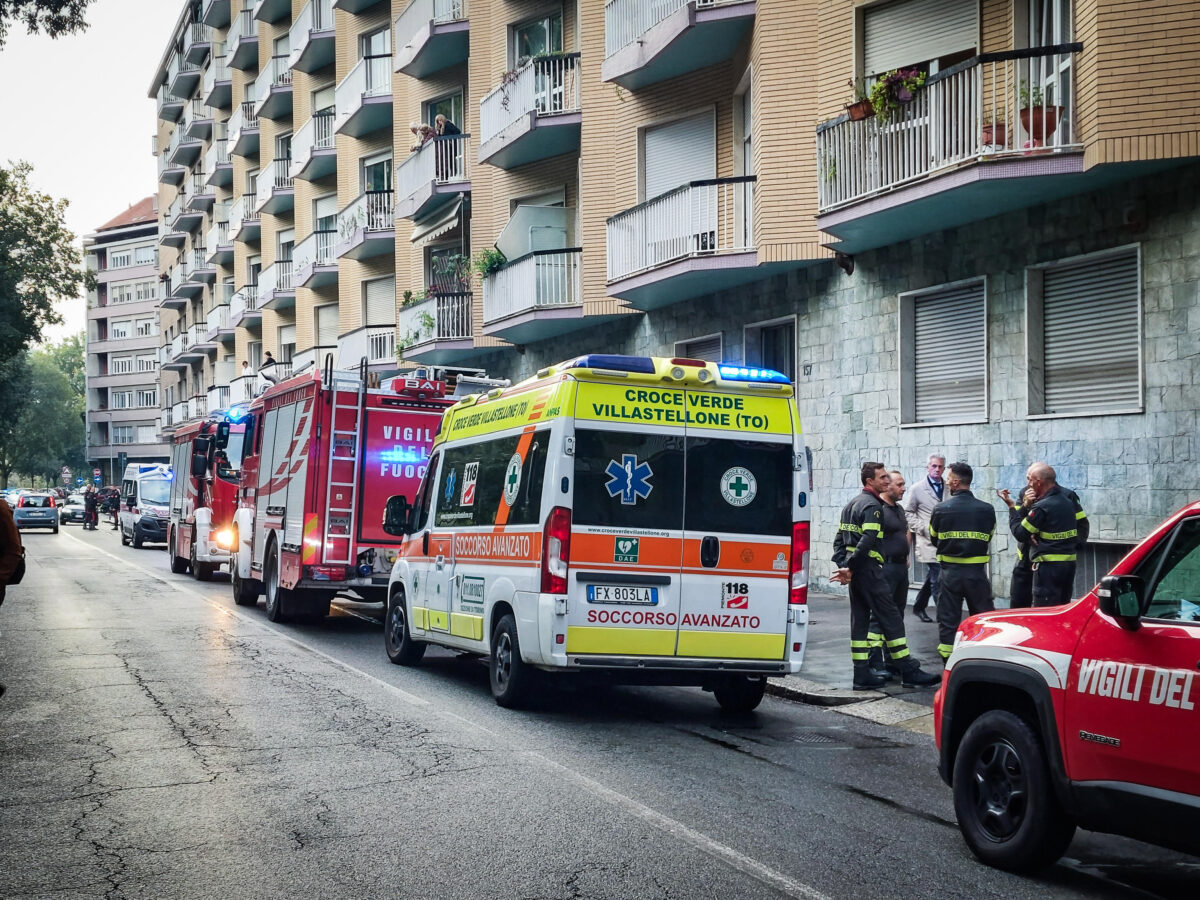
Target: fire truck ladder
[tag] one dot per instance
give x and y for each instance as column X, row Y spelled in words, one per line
column 345, row 445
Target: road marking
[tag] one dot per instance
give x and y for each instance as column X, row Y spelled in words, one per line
column 673, row 827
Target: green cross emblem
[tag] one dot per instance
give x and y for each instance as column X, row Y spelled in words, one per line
column 738, row 486
column 512, row 478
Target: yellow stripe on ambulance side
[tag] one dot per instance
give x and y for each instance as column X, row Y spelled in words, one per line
column 726, row 645
column 621, row 641
column 649, row 404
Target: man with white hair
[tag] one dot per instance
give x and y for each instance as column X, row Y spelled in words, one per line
column 1047, row 525
column 924, row 496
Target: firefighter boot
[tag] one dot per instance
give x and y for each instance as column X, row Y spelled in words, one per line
column 876, row 664
column 914, row 676
column 865, row 679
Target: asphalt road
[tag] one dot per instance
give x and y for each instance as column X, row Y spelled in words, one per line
column 158, row 741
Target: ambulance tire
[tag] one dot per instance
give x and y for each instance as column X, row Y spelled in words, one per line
column 245, row 590
column 137, row 539
column 279, row 598
column 1004, row 798
column 179, row 565
column 398, row 641
column 740, row 693
column 511, row 679
column 124, row 538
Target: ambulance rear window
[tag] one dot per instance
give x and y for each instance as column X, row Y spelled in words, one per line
column 471, row 486
column 738, row 487
column 625, row 479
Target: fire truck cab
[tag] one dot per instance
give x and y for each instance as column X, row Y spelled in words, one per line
column 203, row 497
column 323, row 453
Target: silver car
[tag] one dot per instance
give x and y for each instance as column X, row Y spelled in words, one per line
column 36, row 511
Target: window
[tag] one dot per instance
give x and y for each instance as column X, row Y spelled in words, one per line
column 596, row 452
column 769, row 512
column 536, row 38
column 254, row 354
column 287, row 343
column 283, row 147
column 486, row 464
column 773, row 345
column 122, row 434
column 120, row 399
column 147, row 398
column 130, row 291
column 707, row 348
column 424, row 497
column 1172, row 575
column 379, row 301
column 931, row 34
column 375, row 43
column 1084, row 335
column 253, row 268
column 121, row 365
column 285, row 242
column 377, row 172
column 943, row 354
column 450, row 106
column 325, row 213
column 145, row 256
column 144, row 327
column 120, row 330
column 146, row 434
column 323, row 100
column 120, row 259
column 327, row 325
column 677, row 152
column 146, row 363
column 448, row 269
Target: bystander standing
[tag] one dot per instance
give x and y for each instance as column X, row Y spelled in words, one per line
column 924, row 496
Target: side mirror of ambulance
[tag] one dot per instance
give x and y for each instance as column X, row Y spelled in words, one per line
column 396, row 514
column 199, row 465
column 1121, row 596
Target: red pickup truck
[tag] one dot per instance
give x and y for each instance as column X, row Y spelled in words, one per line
column 1081, row 715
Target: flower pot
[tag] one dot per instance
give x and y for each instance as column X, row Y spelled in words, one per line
column 1039, row 122
column 995, row 135
column 859, row 110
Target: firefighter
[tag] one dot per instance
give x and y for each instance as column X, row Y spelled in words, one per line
column 1021, row 591
column 1050, row 526
column 856, row 553
column 961, row 529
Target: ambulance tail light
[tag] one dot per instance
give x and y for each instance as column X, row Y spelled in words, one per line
column 556, row 551
column 798, row 593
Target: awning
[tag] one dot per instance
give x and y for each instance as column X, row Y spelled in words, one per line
column 446, row 219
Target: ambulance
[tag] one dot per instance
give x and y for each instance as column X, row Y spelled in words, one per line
column 645, row 518
column 1084, row 715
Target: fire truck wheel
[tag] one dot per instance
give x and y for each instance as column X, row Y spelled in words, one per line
column 510, row 677
column 279, row 599
column 310, row 606
column 200, row 571
column 740, row 693
column 397, row 640
column 179, row 565
column 245, row 590
column 1003, row 796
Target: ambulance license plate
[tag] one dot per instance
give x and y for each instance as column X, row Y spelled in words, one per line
column 614, row 593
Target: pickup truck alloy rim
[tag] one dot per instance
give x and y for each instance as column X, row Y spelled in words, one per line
column 1001, row 790
column 503, row 659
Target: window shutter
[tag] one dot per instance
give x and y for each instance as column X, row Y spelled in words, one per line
column 1091, row 335
column 325, row 207
column 950, row 355
column 911, row 31
column 381, row 301
column 327, row 325
column 287, row 334
column 322, row 98
column 679, row 152
column 707, row 349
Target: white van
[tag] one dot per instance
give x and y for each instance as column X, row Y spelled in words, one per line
column 145, row 503
column 642, row 517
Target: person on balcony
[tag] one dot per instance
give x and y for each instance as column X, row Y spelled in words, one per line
column 421, row 133
column 447, row 151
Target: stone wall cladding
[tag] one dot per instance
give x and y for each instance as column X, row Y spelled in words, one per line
column 1130, row 470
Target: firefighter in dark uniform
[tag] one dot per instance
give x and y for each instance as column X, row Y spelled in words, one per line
column 856, row 553
column 1021, row 590
column 894, row 548
column 961, row 529
column 1050, row 526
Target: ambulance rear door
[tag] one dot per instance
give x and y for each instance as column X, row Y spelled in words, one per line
column 738, row 516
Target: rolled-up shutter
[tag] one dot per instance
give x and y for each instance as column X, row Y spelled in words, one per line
column 1091, row 336
column 679, row 152
column 327, row 325
column 911, row 31
column 706, row 348
column 950, row 355
column 287, row 335
column 381, row 301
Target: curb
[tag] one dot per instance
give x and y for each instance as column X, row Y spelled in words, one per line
column 816, row 694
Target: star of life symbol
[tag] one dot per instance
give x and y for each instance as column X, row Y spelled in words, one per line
column 450, row 480
column 629, row 479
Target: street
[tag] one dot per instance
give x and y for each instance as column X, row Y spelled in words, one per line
column 159, row 741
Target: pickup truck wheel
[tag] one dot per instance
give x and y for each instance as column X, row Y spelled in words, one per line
column 397, row 639
column 179, row 565
column 1007, row 810
column 279, row 598
column 509, row 675
column 740, row 693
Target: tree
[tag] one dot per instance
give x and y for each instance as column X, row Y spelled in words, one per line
column 54, row 17
column 68, row 355
column 47, row 432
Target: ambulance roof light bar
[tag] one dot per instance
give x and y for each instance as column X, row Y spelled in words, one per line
column 762, row 376
column 612, row 362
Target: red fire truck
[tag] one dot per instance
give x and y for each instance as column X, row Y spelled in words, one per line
column 203, row 495
column 323, row 453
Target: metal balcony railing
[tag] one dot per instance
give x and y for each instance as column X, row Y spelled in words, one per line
column 274, row 73
column 625, row 21
column 543, row 279
column 273, row 178
column 317, row 15
column 318, row 249
column 283, row 275
column 370, row 211
column 216, row 155
column 547, row 85
column 177, row 65
column 441, row 159
column 439, row 317
column 197, row 33
column 242, row 119
column 420, row 13
column 370, row 77
column 217, row 70
column 1012, row 104
column 197, row 407
column 241, row 26
column 315, row 134
column 218, row 320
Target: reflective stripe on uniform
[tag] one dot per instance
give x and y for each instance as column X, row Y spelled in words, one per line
column 965, row 536
column 944, row 650
column 1059, row 535
column 847, row 526
column 1080, row 515
column 875, row 555
column 962, row 560
column 898, row 652
column 932, row 533
column 1056, row 557
column 874, row 639
column 872, row 526
column 1029, row 526
column 859, row 650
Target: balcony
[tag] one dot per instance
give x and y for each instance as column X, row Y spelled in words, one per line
column 169, row 173
column 188, row 287
column 975, row 142
column 648, row 41
column 244, row 223
column 172, row 297
column 314, row 260
column 271, row 10
column 243, row 130
column 197, row 120
column 690, row 241
column 220, row 244
column 217, row 396
column 218, row 84
column 199, row 268
column 312, row 37
column 354, row 6
column 242, row 41
column 197, row 407
column 536, row 116
column 217, row 163
column 313, row 152
column 432, row 176
column 201, row 196
column 367, row 227
column 243, row 389
column 197, row 41
column 179, row 412
column 183, row 150
column 275, row 289
column 376, row 342
column 275, row 191
column 170, row 107
column 182, row 76
column 431, row 35
column 243, row 307
column 363, row 99
column 165, row 422
column 217, row 323
column 273, row 88
column 535, row 297
column 215, row 13
column 438, row 330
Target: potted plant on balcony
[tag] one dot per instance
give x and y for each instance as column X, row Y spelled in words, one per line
column 1038, row 119
column 489, row 260
column 995, row 132
column 893, row 90
column 859, row 107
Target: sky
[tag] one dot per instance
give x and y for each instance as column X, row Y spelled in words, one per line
column 76, row 108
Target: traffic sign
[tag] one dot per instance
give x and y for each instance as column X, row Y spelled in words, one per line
column 79, row 480
column 96, row 479
column 95, row 473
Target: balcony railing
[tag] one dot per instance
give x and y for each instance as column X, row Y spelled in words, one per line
column 283, row 275
column 217, row 155
column 274, row 73
column 241, row 26
column 318, row 249
column 442, row 160
column 217, row 71
column 200, row 183
column 546, row 85
column 243, row 119
column 625, row 21
column 544, row 279
column 420, row 13
column 197, row 33
column 244, row 300
column 441, row 317
column 273, row 178
column 178, row 65
column 702, row 218
column 197, row 407
column 315, row 134
column 218, row 396
column 317, row 15
column 218, row 320
column 370, row 77
column 371, row 211
column 242, row 211
column 179, row 412
column 998, row 105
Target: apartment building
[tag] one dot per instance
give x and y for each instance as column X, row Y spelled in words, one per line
column 122, row 342
column 999, row 263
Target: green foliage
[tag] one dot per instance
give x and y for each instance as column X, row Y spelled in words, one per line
column 53, row 17
column 45, row 430
column 894, row 89
column 69, row 355
column 489, row 260
column 1030, row 96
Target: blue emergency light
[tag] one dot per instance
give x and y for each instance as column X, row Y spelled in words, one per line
column 614, row 363
column 236, row 414
column 742, row 373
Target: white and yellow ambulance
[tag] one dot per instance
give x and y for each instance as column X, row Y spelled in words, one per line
column 638, row 516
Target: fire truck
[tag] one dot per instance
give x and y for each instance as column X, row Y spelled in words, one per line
column 203, row 494
column 323, row 452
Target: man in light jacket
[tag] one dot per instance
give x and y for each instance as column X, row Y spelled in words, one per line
column 923, row 496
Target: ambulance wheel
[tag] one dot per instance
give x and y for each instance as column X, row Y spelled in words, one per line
column 740, row 693
column 279, row 598
column 200, row 571
column 245, row 590
column 1007, row 810
column 509, row 675
column 124, row 538
column 179, row 565
column 397, row 639
column 138, row 540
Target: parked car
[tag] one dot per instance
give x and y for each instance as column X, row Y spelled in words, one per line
column 71, row 510
column 36, row 511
